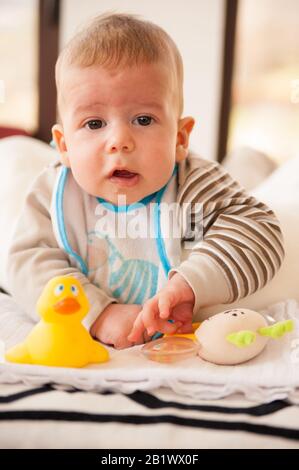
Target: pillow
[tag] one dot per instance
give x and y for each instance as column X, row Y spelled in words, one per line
column 281, row 193
column 249, row 166
column 22, row 159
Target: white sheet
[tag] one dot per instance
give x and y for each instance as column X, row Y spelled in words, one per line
column 273, row 375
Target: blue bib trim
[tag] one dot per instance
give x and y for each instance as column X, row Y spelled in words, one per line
column 157, row 224
column 108, row 205
column 61, row 223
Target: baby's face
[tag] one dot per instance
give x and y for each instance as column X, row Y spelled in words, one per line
column 121, row 133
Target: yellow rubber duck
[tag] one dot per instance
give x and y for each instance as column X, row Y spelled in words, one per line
column 60, row 339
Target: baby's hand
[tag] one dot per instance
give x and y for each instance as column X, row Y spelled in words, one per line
column 175, row 301
column 115, row 323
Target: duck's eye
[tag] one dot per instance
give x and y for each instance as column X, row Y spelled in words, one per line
column 75, row 290
column 59, row 289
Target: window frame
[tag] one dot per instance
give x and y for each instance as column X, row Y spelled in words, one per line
column 48, row 46
column 231, row 11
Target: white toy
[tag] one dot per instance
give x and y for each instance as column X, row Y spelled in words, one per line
column 236, row 335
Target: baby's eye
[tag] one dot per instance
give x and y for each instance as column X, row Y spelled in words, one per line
column 144, row 120
column 95, row 124
column 59, row 289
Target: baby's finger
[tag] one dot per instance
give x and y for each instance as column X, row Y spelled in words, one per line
column 165, row 326
column 137, row 330
column 122, row 343
column 150, row 313
column 185, row 328
column 165, row 302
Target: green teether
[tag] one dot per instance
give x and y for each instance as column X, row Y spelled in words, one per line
column 241, row 339
column 278, row 329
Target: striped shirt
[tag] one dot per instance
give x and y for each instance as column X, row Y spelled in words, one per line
column 240, row 234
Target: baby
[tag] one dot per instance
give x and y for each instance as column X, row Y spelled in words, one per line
column 123, row 147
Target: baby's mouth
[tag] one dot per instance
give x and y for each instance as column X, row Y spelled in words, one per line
column 123, row 174
column 124, row 178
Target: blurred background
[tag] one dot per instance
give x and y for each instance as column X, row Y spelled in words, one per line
column 241, row 67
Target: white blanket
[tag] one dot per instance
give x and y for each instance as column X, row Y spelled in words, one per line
column 273, row 375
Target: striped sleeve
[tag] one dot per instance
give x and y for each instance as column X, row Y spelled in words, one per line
column 241, row 236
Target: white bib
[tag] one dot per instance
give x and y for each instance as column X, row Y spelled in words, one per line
column 128, row 249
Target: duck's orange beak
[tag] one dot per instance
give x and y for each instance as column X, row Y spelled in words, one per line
column 67, row 306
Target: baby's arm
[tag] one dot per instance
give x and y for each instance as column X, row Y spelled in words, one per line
column 35, row 257
column 241, row 247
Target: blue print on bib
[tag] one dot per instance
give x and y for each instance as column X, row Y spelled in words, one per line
column 131, row 280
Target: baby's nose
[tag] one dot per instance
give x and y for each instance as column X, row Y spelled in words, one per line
column 120, row 140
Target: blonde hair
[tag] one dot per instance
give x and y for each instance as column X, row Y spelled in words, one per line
column 120, row 40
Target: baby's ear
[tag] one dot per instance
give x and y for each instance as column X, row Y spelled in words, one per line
column 58, row 137
column 185, row 127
